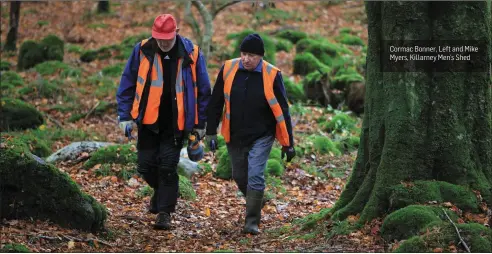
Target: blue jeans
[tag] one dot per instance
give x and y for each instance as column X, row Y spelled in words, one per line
column 249, row 163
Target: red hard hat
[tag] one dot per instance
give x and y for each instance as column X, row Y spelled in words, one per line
column 164, row 27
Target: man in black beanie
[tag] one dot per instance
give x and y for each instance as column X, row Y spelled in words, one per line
column 256, row 113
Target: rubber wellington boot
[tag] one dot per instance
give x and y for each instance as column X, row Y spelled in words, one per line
column 254, row 202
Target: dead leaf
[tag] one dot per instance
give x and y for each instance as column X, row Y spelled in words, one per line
column 437, row 250
column 207, row 212
column 71, row 245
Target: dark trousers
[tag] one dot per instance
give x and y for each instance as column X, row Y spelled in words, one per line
column 158, row 158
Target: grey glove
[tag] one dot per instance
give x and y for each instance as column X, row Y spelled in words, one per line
column 201, row 132
column 126, row 127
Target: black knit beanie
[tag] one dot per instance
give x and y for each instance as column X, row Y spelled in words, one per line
column 253, row 44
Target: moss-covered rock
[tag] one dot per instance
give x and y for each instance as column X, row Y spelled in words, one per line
column 30, row 54
column 118, row 154
column 324, row 145
column 14, row 248
column 295, row 92
column 18, row 115
column 283, row 44
column 269, row 44
column 5, row 66
column 409, row 221
column 224, row 167
column 53, row 47
column 349, row 39
column 186, row 190
column 425, row 191
column 31, row 188
column 443, row 235
column 274, row 168
column 276, row 154
column 346, row 76
column 312, row 86
column 52, row 67
column 292, row 35
column 9, row 80
column 306, row 63
column 339, row 123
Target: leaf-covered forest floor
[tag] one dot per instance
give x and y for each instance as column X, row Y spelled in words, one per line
column 212, row 221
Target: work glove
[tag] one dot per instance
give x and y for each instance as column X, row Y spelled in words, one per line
column 213, row 144
column 289, row 151
column 201, row 132
column 126, row 127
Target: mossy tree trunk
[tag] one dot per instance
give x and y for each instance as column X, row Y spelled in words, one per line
column 14, row 26
column 422, row 125
column 103, row 7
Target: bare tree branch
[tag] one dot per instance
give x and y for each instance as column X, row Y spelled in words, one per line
column 458, row 232
column 191, row 20
column 208, row 23
column 222, row 7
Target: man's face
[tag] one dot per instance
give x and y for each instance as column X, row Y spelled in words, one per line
column 249, row 60
column 166, row 45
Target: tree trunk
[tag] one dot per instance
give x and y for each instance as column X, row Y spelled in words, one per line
column 103, row 7
column 428, row 125
column 10, row 44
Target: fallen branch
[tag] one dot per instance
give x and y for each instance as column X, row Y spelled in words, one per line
column 57, row 123
column 108, row 118
column 92, row 110
column 75, row 239
column 458, row 232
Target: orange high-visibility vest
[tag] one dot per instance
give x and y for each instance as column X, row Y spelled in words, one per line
column 156, row 86
column 269, row 72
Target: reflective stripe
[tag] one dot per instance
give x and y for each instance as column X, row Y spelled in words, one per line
column 137, row 97
column 179, row 80
column 140, row 80
column 159, row 81
column 227, row 97
column 272, row 101
column 234, row 61
column 280, row 118
column 141, row 56
column 269, row 68
column 228, row 116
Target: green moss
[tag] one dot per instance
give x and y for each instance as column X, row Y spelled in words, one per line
column 10, row 79
column 74, row 49
column 306, row 63
column 89, row 56
column 113, row 70
column 5, row 66
column 312, row 220
column 18, row 115
column 425, row 191
column 339, row 123
column 276, row 154
column 118, row 154
column 274, row 168
column 292, row 35
column 324, row 145
column 295, row 92
column 224, row 167
column 409, row 221
column 349, row 39
column 186, row 190
column 15, row 247
column 131, row 41
column 268, row 42
column 35, row 189
column 346, row 76
column 443, row 234
column 53, row 47
column 30, row 54
column 283, row 45
column 345, row 30
column 51, row 67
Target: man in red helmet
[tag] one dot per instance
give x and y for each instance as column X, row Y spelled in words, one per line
column 165, row 90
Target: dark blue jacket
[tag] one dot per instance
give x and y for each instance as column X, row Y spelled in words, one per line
column 126, row 91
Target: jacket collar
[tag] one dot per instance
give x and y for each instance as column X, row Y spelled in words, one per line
column 150, row 48
column 257, row 69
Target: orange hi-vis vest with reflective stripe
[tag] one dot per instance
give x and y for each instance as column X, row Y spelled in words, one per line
column 269, row 73
column 156, row 87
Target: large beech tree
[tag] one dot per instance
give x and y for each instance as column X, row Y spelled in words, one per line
column 431, row 125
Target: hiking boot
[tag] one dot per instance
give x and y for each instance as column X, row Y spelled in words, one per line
column 153, row 204
column 163, row 221
column 254, row 202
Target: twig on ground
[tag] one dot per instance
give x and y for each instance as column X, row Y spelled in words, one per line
column 75, row 239
column 57, row 123
column 458, row 232
column 106, row 117
column 92, row 110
